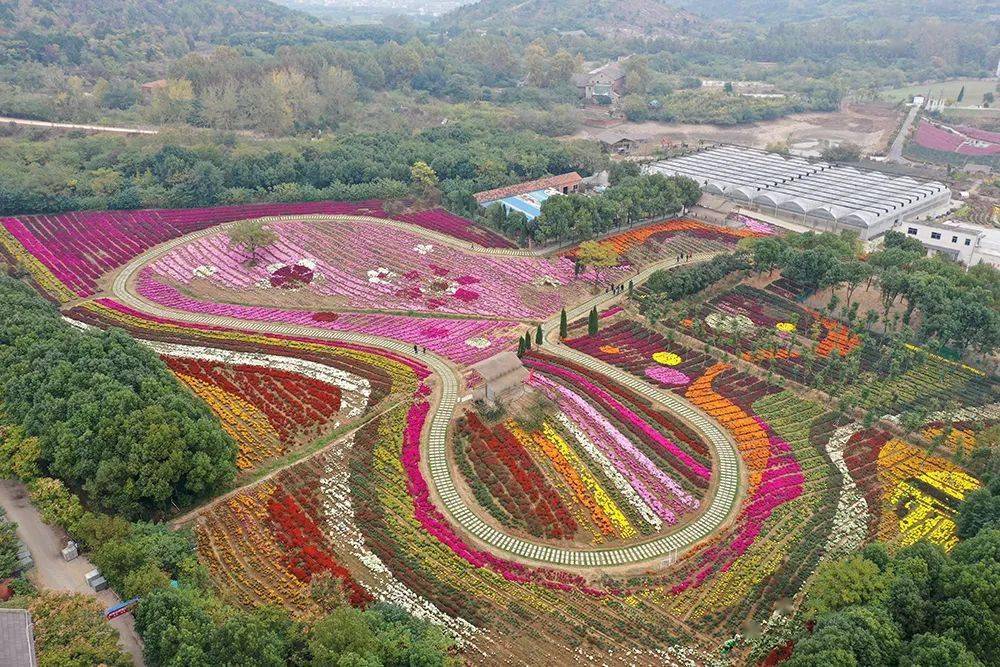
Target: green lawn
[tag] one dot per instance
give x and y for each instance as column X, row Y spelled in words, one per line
column 974, row 89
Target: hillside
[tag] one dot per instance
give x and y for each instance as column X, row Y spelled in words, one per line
column 634, row 18
column 777, row 11
column 102, row 33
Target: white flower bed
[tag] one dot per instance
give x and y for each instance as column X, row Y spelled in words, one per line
column 339, row 513
column 620, row 483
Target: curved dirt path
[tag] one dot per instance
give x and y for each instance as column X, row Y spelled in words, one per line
column 667, row 546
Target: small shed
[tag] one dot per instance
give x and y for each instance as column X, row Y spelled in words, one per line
column 503, row 376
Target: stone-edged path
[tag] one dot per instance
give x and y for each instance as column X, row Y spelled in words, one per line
column 668, row 546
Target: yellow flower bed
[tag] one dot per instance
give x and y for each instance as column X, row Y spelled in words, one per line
column 787, row 327
column 916, row 486
column 248, row 426
column 667, row 358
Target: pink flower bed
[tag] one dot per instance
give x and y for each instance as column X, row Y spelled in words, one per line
column 754, row 225
column 372, row 266
column 668, row 376
column 660, row 491
column 940, row 139
column 80, row 247
column 449, row 338
column 683, row 461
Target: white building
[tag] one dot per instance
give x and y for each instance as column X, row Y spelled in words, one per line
column 814, row 195
column 965, row 243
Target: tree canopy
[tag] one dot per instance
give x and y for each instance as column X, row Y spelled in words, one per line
column 108, row 416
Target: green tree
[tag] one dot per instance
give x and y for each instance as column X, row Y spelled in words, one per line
column 930, row 649
column 592, row 322
column 201, row 186
column 539, row 336
column 597, row 257
column 843, row 583
column 250, row 236
column 563, row 324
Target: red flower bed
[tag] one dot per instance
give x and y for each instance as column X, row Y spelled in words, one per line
column 516, row 482
column 305, row 546
column 293, row 403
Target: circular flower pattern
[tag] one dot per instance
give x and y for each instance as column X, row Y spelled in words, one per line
column 668, row 376
column 667, row 358
column 291, row 276
column 479, row 343
column 785, row 327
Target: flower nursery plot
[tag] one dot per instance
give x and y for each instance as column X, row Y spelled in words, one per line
column 589, row 469
column 358, row 263
column 69, row 252
column 269, row 404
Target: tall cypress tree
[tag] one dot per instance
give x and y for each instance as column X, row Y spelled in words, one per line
column 563, row 324
column 520, row 347
column 527, row 340
column 592, row 322
column 538, row 336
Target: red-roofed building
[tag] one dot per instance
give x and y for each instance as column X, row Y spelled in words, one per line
column 564, row 183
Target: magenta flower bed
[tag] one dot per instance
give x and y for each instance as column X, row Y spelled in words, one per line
column 782, row 481
column 435, row 523
column 953, row 141
column 80, row 247
column 371, row 266
column 449, row 338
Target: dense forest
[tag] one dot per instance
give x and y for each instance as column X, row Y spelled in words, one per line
column 104, row 413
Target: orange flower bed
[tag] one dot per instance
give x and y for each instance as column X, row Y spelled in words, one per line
column 627, row 241
column 750, row 437
column 761, row 355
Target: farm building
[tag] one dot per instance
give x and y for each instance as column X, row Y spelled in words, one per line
column 962, row 242
column 528, row 197
column 604, row 83
column 813, row 195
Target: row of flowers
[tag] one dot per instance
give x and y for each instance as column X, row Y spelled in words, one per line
column 367, row 265
column 79, row 247
column 464, row 341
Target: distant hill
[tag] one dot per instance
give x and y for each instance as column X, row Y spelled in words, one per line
column 632, row 18
column 82, row 32
column 793, row 11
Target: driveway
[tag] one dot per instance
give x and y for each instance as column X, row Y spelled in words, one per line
column 51, row 572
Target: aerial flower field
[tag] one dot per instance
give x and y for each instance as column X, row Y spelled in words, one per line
column 341, row 362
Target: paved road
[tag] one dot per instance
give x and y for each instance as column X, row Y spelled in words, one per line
column 723, row 503
column 75, row 126
column 51, row 572
column 896, row 150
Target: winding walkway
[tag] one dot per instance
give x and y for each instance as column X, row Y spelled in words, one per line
column 667, row 546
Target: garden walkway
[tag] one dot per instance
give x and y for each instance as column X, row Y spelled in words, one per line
column 668, row 546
